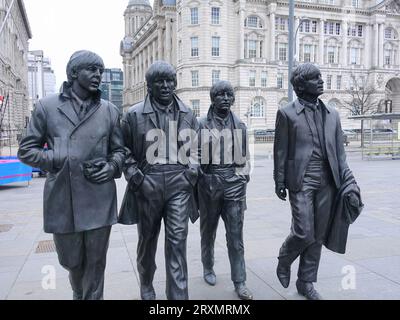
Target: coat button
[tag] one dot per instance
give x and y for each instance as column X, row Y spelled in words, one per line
column 73, row 158
column 93, row 137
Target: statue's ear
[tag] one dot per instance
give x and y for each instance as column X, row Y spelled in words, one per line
column 74, row 74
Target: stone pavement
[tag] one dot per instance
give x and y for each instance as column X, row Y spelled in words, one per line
column 369, row 270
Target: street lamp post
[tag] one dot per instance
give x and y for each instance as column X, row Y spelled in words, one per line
column 7, row 14
column 291, row 51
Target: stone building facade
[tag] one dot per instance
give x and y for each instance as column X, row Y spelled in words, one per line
column 246, row 42
column 13, row 68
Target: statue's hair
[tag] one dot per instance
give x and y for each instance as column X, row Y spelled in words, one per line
column 80, row 60
column 218, row 86
column 301, row 74
column 160, row 69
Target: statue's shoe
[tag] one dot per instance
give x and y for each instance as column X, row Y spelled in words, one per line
column 210, row 277
column 243, row 292
column 147, row 292
column 307, row 290
column 283, row 274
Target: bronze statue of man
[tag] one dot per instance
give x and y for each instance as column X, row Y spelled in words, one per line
column 161, row 179
column 309, row 161
column 85, row 153
column 221, row 189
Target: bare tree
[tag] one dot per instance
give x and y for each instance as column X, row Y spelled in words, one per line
column 361, row 99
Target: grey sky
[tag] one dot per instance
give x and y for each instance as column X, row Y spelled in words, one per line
column 61, row 27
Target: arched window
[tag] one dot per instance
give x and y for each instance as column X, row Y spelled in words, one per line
column 283, row 103
column 258, row 108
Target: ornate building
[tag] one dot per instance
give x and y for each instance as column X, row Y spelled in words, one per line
column 246, row 42
column 13, row 69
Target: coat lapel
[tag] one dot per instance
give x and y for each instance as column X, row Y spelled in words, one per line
column 91, row 112
column 68, row 111
column 149, row 112
column 329, row 123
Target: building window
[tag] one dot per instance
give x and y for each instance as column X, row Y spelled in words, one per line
column 388, row 57
column 194, row 15
column 314, row 26
column 282, row 53
column 307, row 53
column 195, row 107
column 195, row 46
column 215, row 13
column 329, row 82
column 281, row 23
column 252, row 49
column 338, row 82
column 355, row 3
column 252, row 78
column 258, row 108
column 215, row 46
column 253, row 22
column 331, row 55
column 390, row 34
column 195, row 78
column 308, row 26
column 332, row 28
column 215, row 76
column 354, row 55
column 279, row 81
column 264, row 79
column 355, row 30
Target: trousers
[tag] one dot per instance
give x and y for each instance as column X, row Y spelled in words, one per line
column 311, row 209
column 84, row 255
column 222, row 195
column 164, row 195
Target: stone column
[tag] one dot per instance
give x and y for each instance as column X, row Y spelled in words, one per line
column 149, row 52
column 174, row 43
column 154, row 50
column 367, row 46
column 241, row 33
column 376, row 43
column 272, row 38
column 160, row 43
column 168, row 39
column 344, row 60
column 321, row 42
column 380, row 45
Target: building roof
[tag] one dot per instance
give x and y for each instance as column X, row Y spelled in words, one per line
column 25, row 18
column 139, row 3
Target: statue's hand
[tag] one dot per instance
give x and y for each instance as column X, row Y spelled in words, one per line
column 280, row 191
column 104, row 175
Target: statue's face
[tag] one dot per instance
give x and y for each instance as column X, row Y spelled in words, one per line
column 162, row 89
column 223, row 100
column 314, row 86
column 89, row 78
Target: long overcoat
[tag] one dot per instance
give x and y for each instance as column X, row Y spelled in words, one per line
column 71, row 202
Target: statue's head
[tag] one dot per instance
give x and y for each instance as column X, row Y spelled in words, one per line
column 307, row 81
column 222, row 96
column 161, row 82
column 86, row 68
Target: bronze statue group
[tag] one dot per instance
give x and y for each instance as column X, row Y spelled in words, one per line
column 179, row 168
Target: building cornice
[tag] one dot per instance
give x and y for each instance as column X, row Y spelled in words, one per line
column 25, row 18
